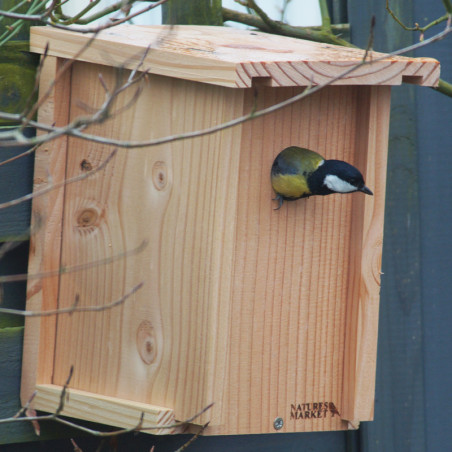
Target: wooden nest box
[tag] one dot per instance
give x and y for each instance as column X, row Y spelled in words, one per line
column 270, row 314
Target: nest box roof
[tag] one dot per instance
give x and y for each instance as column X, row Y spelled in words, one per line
column 234, row 57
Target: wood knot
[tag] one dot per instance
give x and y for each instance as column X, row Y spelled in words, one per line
column 87, row 217
column 160, row 175
column 86, row 165
column 146, row 342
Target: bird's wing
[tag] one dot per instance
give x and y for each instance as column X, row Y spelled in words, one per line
column 296, row 160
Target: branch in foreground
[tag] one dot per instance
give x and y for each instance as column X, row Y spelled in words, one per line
column 73, row 268
column 309, row 33
column 43, row 19
column 416, row 27
column 50, row 188
column 193, row 438
column 74, row 307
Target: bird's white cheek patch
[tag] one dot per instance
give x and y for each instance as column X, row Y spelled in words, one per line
column 338, row 185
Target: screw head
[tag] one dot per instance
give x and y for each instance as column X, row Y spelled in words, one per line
column 278, row 423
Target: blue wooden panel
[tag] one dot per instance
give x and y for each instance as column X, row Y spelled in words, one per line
column 10, row 369
column 415, row 339
column 434, row 120
column 328, row 442
column 399, row 417
column 16, row 179
column 14, row 293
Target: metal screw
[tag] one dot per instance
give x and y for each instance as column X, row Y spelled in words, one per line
column 278, row 423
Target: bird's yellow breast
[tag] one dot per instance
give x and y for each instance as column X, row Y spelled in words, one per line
column 290, row 185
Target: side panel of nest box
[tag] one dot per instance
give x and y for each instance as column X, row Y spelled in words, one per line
column 268, row 314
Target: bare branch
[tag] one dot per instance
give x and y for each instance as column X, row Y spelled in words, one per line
column 193, row 438
column 25, row 407
column 73, row 268
column 74, row 307
column 50, row 188
column 19, row 156
column 265, row 23
column 43, row 18
column 312, row 33
column 370, row 41
column 75, row 446
column 60, row 18
column 416, row 27
column 64, row 391
column 66, row 66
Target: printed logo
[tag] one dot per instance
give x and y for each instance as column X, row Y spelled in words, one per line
column 313, row 410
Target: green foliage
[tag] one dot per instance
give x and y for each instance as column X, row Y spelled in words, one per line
column 17, row 77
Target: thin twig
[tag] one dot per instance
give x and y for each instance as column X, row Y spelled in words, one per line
column 26, row 406
column 64, row 391
column 370, row 41
column 73, row 268
column 74, row 307
column 193, row 438
column 19, row 156
column 71, row 20
column 50, row 188
column 416, row 27
column 65, row 67
column 42, row 18
column 317, row 34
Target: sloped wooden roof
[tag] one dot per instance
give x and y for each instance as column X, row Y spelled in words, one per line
column 234, row 57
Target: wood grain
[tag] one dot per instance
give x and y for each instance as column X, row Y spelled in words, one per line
column 233, row 57
column 290, row 292
column 106, row 410
column 45, row 241
column 178, row 197
column 362, row 310
column 265, row 313
column 242, row 306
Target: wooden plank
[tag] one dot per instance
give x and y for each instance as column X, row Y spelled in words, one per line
column 362, row 307
column 291, row 272
column 163, row 195
column 106, row 410
column 45, row 243
column 232, row 57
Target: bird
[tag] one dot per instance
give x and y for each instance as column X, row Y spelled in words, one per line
column 299, row 173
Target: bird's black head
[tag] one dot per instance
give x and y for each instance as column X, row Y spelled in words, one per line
column 336, row 176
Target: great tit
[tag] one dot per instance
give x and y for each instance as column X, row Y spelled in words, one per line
column 299, row 173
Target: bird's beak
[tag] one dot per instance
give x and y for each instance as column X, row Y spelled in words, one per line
column 365, row 190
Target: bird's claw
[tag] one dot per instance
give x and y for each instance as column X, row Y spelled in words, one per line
column 280, row 200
